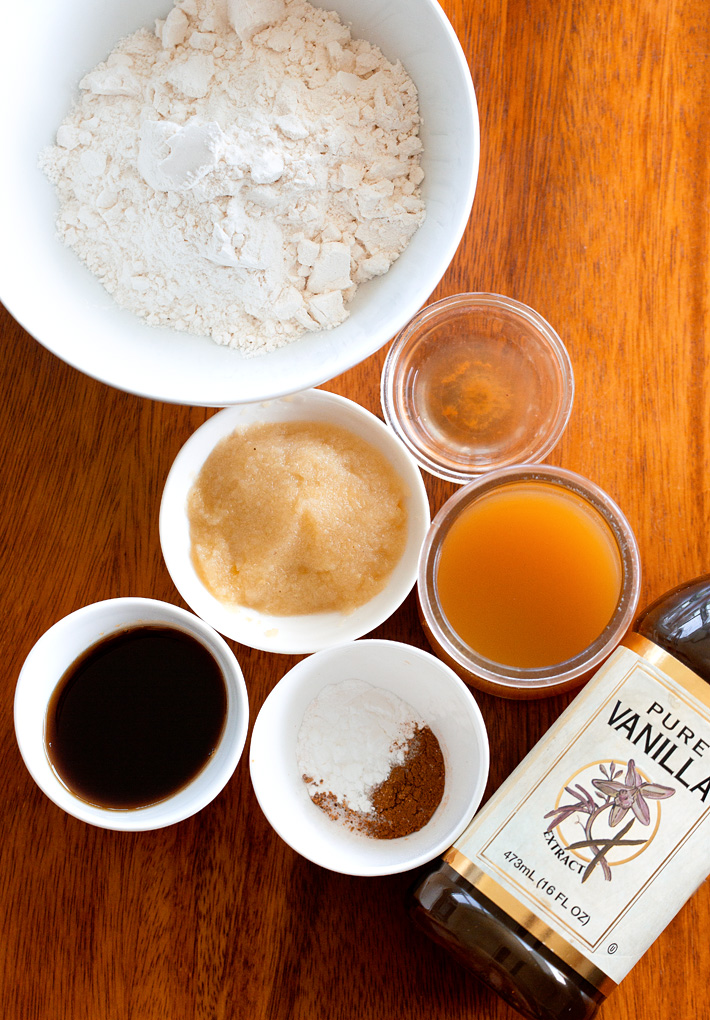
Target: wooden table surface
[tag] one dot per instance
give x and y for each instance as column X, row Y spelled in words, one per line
column 592, row 207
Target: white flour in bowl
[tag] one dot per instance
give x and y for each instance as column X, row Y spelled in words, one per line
column 241, row 170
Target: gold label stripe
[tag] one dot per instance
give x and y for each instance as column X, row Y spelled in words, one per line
column 531, row 922
column 669, row 665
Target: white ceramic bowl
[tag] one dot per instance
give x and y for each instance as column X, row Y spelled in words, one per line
column 289, row 634
column 62, row 645
column 434, row 692
column 49, row 46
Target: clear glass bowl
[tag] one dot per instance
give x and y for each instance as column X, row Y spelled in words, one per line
column 477, row 382
column 517, row 681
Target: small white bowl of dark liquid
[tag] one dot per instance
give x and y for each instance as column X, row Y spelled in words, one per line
column 131, row 714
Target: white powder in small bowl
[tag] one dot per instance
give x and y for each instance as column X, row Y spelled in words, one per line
column 351, row 737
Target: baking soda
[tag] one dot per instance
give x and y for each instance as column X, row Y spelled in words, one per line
column 351, row 737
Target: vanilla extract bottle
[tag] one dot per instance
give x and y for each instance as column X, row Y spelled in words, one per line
column 588, row 850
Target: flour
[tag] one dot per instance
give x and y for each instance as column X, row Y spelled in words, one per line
column 351, row 737
column 241, row 170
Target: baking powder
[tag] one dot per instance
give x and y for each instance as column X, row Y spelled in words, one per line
column 351, row 737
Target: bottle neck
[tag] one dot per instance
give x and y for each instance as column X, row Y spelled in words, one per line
column 668, row 664
column 679, row 622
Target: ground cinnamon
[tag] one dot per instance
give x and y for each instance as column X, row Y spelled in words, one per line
column 412, row 792
column 406, row 800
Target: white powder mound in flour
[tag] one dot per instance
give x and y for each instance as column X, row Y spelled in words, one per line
column 241, row 170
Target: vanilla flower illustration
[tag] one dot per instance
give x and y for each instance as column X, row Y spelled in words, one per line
column 615, row 798
column 631, row 795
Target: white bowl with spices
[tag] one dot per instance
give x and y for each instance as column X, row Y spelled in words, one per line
column 379, row 680
column 51, row 48
column 296, row 543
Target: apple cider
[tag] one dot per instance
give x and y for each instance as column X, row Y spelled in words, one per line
column 529, row 574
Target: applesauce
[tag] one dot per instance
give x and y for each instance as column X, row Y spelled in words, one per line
column 296, row 517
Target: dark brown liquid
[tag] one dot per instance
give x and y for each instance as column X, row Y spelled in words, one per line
column 500, row 952
column 136, row 717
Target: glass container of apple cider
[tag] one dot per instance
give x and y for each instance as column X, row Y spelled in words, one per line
column 528, row 579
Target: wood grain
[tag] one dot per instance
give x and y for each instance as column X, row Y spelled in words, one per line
column 592, row 206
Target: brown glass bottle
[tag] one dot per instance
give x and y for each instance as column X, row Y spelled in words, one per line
column 487, row 939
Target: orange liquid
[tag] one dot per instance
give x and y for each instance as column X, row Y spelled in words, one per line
column 529, row 575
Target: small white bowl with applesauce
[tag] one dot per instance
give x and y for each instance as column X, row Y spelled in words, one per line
column 291, row 632
column 49, row 47
column 413, row 676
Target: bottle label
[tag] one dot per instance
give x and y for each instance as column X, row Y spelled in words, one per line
column 601, row 833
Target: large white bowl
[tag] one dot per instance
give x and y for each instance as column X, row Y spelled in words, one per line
column 289, row 634
column 435, row 693
column 47, row 46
